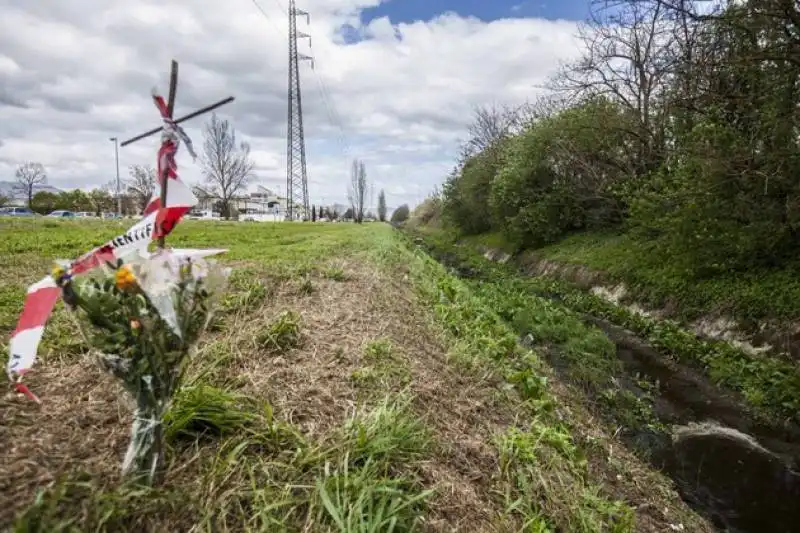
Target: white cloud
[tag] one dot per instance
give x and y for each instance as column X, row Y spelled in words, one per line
column 73, row 74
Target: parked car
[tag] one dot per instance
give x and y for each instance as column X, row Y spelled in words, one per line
column 16, row 212
column 62, row 214
column 109, row 216
column 84, row 214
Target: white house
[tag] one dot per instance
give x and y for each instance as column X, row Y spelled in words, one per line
column 263, row 203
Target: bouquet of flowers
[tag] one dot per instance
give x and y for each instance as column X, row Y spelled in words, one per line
column 141, row 312
column 142, row 317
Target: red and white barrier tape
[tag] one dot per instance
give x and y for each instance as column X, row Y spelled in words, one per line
column 156, row 221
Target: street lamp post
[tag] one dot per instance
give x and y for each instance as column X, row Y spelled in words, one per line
column 116, row 158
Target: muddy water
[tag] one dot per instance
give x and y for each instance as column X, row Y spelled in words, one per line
column 742, row 474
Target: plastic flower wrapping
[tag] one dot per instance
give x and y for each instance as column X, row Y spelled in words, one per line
column 142, row 316
column 140, row 312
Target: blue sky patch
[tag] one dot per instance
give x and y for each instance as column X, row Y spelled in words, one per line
column 486, row 10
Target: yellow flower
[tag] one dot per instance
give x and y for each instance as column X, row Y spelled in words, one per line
column 57, row 272
column 124, row 278
column 60, row 276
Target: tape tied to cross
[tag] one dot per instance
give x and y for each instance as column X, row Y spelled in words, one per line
column 163, row 212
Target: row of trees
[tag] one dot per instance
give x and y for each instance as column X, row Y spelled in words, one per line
column 225, row 162
column 359, row 189
column 679, row 125
column 227, row 171
column 137, row 191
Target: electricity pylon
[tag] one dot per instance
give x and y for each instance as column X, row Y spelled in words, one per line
column 296, row 175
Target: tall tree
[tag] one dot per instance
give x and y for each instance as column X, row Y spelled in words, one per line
column 28, row 176
column 226, row 164
column 313, row 213
column 141, row 184
column 44, row 202
column 358, row 190
column 101, row 200
column 628, row 58
column 400, row 214
column 382, row 206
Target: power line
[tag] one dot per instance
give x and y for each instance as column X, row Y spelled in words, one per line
column 266, row 16
column 330, row 108
column 296, row 162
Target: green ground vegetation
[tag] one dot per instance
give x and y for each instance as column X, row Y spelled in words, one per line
column 251, row 444
column 675, row 172
column 770, row 386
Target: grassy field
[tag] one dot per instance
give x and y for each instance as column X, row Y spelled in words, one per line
column 350, row 384
column 769, row 385
column 661, row 280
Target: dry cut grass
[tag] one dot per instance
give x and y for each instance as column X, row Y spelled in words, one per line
column 335, row 392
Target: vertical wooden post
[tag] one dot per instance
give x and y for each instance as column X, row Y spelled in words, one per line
column 173, row 86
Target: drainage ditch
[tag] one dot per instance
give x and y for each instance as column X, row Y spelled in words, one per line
column 741, row 473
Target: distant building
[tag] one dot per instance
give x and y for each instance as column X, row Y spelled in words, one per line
column 261, row 203
column 18, row 197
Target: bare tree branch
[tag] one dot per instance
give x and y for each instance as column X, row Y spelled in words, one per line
column 631, row 56
column 489, row 126
column 357, row 190
column 28, row 176
column 226, row 166
column 141, row 184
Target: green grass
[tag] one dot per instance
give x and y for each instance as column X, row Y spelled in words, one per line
column 236, row 463
column 282, row 334
column 264, row 255
column 539, row 495
column 200, row 411
column 383, row 368
column 233, row 465
column 266, row 479
column 770, row 386
column 655, row 278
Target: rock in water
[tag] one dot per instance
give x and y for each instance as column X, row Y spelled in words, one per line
column 744, row 486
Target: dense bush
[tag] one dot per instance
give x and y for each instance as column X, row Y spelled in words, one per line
column 400, row 214
column 559, row 175
column 428, row 213
column 466, row 192
column 692, row 140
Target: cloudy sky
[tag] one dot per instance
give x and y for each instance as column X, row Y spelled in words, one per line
column 394, row 81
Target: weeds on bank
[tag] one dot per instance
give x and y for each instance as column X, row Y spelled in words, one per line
column 264, row 476
column 282, row 334
column 390, row 432
column 548, row 447
column 383, row 368
column 770, row 386
column 656, row 275
column 543, row 479
column 579, row 351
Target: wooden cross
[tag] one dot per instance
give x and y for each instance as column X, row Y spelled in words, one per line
column 173, row 86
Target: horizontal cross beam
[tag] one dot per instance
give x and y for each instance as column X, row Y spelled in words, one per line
column 178, row 121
